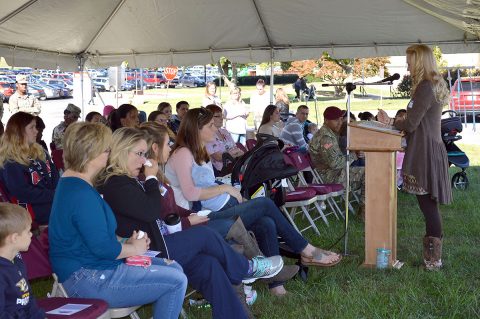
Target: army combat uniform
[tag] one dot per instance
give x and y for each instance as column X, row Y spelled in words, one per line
column 24, row 103
column 329, row 161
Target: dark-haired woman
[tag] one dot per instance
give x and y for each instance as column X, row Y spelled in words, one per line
column 125, row 116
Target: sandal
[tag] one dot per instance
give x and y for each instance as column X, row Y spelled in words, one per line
column 317, row 257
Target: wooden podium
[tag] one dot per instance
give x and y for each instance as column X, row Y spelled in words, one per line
column 379, row 144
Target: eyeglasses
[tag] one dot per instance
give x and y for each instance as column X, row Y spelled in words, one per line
column 140, row 154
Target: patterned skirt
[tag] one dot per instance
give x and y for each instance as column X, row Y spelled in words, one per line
column 411, row 186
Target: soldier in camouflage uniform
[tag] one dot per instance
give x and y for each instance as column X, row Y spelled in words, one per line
column 70, row 116
column 21, row 101
column 327, row 157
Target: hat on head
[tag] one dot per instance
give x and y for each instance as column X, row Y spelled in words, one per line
column 332, row 113
column 21, row 78
column 107, row 110
column 72, row 108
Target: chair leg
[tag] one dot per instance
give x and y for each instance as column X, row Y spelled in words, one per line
column 287, row 215
column 305, row 212
column 134, row 315
column 320, row 211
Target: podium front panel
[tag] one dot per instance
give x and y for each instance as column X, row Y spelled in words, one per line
column 380, row 205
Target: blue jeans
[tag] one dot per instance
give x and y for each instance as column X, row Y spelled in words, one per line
column 125, row 286
column 239, row 138
column 212, row 267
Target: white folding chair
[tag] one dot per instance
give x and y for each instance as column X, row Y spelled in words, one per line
column 59, row 291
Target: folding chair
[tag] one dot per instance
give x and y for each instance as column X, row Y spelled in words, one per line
column 57, row 158
column 242, row 147
column 251, row 143
column 38, row 266
column 300, row 199
column 324, row 192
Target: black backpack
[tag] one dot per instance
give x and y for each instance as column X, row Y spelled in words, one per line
column 265, row 166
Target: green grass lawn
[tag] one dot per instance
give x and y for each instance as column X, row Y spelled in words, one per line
column 350, row 291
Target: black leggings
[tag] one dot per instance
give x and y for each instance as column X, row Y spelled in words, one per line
column 433, row 220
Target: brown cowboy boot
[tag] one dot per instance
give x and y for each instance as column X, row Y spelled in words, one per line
column 432, row 252
column 239, row 234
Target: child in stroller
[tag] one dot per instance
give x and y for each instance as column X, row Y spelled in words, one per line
column 450, row 128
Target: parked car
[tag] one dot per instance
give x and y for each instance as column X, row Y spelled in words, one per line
column 37, row 92
column 62, row 76
column 465, row 97
column 51, row 92
column 137, row 84
column 7, row 88
column 190, row 81
column 155, row 79
column 103, row 84
column 127, row 86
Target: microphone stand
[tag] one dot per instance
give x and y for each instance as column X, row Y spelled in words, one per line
column 350, row 87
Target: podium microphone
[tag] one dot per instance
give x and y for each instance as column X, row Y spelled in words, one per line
column 391, row 78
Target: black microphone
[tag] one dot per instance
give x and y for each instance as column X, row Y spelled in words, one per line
column 391, row 78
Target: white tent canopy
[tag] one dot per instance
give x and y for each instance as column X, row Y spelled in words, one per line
column 151, row 33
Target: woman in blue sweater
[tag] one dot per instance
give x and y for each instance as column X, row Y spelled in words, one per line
column 85, row 252
column 26, row 170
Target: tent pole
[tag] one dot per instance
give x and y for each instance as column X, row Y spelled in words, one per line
column 81, row 64
column 271, row 76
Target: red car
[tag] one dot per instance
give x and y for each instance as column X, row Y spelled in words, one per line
column 155, row 80
column 465, row 96
column 7, row 89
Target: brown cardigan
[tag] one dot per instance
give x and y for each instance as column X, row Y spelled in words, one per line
column 426, row 157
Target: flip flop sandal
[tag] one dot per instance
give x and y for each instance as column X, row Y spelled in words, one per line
column 316, row 259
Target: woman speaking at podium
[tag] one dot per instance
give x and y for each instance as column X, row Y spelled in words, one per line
column 425, row 167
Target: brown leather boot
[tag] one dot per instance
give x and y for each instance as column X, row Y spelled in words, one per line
column 238, row 233
column 432, row 252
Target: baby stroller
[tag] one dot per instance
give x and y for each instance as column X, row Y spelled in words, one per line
column 260, row 172
column 450, row 128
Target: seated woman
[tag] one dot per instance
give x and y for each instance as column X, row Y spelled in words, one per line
column 210, row 264
column 26, row 169
column 125, row 116
column 271, row 123
column 95, row 117
column 162, row 119
column 190, row 162
column 223, row 143
column 85, row 252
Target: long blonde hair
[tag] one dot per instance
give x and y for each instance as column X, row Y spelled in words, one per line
column 425, row 68
column 155, row 134
column 123, row 141
column 13, row 145
column 281, row 95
